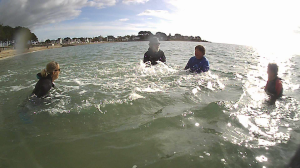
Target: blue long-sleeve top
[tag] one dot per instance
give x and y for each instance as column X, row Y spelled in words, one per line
column 197, row 65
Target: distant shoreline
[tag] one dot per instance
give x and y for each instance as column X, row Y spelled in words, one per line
column 9, row 52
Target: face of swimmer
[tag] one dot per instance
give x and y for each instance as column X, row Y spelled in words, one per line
column 56, row 73
column 271, row 74
column 272, row 71
column 154, row 46
column 199, row 54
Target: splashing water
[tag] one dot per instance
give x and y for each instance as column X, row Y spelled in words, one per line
column 108, row 104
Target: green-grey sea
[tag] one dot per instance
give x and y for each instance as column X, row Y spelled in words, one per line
column 109, row 110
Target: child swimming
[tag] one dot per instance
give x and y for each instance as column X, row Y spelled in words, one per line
column 274, row 86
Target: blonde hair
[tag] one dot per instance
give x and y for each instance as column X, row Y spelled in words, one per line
column 51, row 66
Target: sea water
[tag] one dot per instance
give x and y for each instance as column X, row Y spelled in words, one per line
column 109, row 110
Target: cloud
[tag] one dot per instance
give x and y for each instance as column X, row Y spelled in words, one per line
column 156, row 13
column 124, row 20
column 101, row 3
column 134, row 1
column 34, row 13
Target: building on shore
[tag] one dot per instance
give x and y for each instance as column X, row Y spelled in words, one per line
column 88, row 40
column 59, row 41
column 6, row 43
column 111, row 38
column 134, row 38
column 178, row 37
column 100, row 38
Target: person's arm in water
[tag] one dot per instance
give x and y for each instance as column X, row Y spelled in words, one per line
column 278, row 88
column 205, row 67
column 163, row 58
column 146, row 58
column 271, row 96
column 265, row 88
column 278, row 94
column 187, row 65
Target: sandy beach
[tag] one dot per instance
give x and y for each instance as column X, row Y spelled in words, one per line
column 11, row 52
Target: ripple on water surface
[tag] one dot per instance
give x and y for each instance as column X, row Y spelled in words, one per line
column 106, row 103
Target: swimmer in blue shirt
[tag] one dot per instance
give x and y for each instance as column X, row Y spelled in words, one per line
column 198, row 63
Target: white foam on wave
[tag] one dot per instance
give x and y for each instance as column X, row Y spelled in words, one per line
column 149, row 90
column 160, row 68
column 239, row 76
column 17, row 88
column 209, row 86
column 70, row 88
column 221, row 85
column 78, row 82
column 119, row 84
column 135, row 96
column 82, row 92
column 195, row 90
column 198, row 82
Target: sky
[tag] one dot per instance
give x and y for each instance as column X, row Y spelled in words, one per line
column 224, row 21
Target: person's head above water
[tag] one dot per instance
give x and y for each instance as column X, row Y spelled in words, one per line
column 52, row 69
column 272, row 71
column 199, row 51
column 154, row 44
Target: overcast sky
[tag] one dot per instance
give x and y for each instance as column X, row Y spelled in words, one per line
column 230, row 21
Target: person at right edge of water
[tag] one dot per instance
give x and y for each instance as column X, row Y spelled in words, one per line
column 198, row 63
column 274, row 85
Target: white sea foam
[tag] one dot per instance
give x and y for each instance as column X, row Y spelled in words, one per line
column 134, row 96
column 82, row 92
column 17, row 88
column 158, row 69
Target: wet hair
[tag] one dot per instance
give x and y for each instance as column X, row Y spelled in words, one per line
column 51, row 66
column 273, row 67
column 200, row 48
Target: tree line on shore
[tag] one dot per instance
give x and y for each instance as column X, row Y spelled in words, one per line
column 146, row 35
column 8, row 33
column 142, row 36
column 11, row 35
